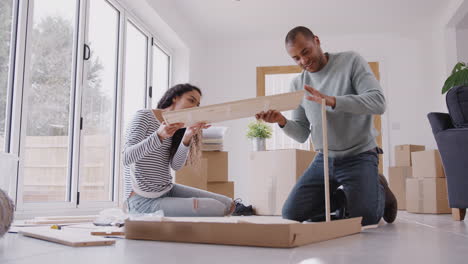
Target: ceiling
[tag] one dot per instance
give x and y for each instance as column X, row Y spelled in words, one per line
column 254, row 19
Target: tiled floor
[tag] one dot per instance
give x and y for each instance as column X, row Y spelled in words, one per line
column 412, row 239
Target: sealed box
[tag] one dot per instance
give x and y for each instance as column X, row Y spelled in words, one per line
column 427, row 196
column 397, row 181
column 224, row 188
column 217, row 165
column 403, row 154
column 194, row 176
column 272, row 175
column 427, row 164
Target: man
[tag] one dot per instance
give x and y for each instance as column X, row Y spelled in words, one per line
column 352, row 96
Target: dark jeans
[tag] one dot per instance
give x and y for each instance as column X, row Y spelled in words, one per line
column 359, row 177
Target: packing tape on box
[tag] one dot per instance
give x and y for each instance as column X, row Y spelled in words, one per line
column 420, row 196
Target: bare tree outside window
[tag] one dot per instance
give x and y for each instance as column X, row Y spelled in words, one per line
column 47, row 99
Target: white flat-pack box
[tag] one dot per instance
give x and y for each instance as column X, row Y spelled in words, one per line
column 427, row 164
column 427, row 196
column 272, row 175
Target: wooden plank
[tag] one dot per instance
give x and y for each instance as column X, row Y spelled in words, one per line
column 68, row 238
column 235, row 109
column 326, row 178
column 58, row 221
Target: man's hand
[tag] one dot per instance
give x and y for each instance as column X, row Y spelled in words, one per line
column 166, row 131
column 316, row 96
column 272, row 116
column 193, row 130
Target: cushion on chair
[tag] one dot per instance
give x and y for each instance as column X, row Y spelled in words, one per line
column 457, row 104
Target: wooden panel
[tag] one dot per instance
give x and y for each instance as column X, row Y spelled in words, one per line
column 262, row 71
column 69, row 238
column 234, row 110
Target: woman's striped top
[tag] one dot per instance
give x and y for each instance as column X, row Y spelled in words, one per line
column 146, row 159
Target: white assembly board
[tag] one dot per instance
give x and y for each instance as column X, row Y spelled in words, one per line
column 235, row 109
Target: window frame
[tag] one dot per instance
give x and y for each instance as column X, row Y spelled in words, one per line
column 19, row 75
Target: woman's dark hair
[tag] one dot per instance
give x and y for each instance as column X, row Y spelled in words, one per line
column 166, row 101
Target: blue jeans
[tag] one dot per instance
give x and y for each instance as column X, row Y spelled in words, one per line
column 359, row 177
column 182, row 200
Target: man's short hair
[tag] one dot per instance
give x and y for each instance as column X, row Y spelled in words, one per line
column 292, row 34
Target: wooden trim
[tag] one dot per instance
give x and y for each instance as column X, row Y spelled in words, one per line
column 262, row 71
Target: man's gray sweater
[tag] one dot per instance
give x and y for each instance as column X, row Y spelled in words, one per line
column 348, row 77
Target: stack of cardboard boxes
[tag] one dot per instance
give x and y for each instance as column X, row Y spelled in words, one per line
column 211, row 174
column 402, row 171
column 272, row 175
column 426, row 191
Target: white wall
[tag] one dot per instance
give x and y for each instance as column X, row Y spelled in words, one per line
column 171, row 30
column 410, row 78
column 462, row 44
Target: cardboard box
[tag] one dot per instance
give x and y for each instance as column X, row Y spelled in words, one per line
column 427, row 196
column 217, row 165
column 427, row 164
column 272, row 175
column 397, row 181
column 403, row 154
column 224, row 188
column 193, row 176
column 244, row 231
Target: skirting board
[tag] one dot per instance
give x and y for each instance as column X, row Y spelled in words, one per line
column 235, row 109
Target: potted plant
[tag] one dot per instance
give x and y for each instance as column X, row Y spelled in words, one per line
column 258, row 132
column 458, row 77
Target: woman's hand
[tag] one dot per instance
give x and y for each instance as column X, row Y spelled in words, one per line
column 166, row 131
column 193, row 130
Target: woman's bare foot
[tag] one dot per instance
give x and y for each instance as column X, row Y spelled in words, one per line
column 233, row 207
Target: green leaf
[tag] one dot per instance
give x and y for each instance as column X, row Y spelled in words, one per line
column 259, row 129
column 458, row 77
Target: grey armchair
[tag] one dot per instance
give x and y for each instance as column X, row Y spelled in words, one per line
column 451, row 134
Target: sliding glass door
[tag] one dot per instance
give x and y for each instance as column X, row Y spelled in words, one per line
column 49, row 86
column 98, row 104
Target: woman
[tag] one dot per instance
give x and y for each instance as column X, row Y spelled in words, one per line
column 151, row 146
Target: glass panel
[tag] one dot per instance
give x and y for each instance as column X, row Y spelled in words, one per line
column 160, row 74
column 276, row 84
column 135, row 72
column 98, row 104
column 47, row 101
column 6, row 16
